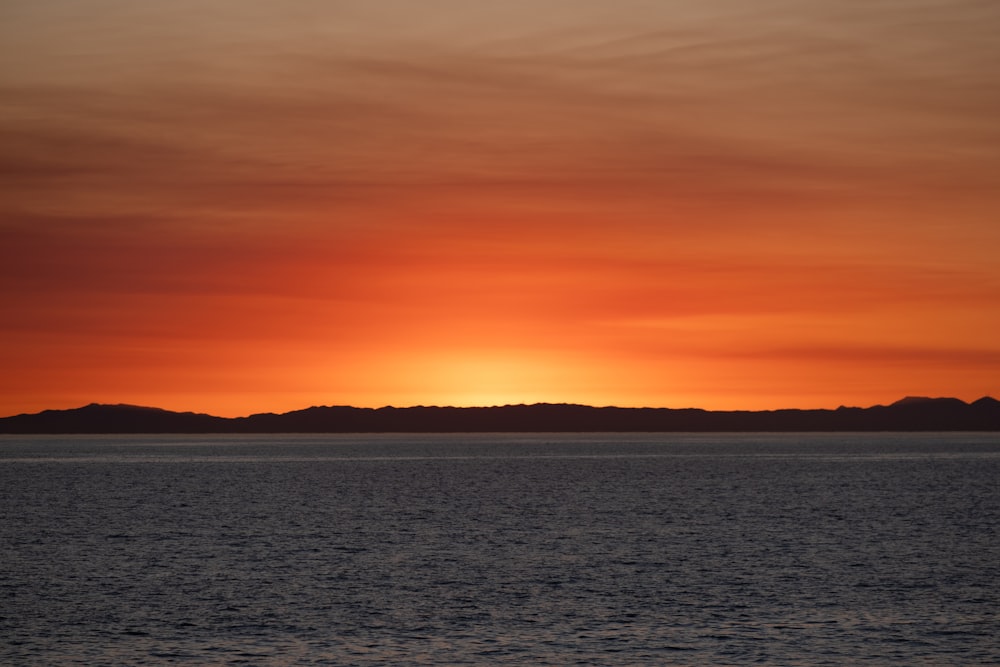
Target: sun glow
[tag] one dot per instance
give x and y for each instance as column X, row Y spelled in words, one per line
column 485, row 378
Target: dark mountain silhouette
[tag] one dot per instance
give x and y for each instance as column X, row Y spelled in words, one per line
column 96, row 418
column 908, row 414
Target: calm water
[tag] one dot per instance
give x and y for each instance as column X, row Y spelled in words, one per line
column 862, row 549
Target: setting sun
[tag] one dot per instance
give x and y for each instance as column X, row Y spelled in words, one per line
column 483, row 378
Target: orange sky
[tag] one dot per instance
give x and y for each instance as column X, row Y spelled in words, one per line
column 236, row 206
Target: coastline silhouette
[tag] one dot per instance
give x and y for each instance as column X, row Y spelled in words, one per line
column 908, row 414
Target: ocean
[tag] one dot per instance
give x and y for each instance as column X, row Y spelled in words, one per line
column 486, row 549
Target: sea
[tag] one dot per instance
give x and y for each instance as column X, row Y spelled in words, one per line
column 501, row 549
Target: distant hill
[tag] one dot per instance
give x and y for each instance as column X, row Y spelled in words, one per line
column 96, row 418
column 908, row 414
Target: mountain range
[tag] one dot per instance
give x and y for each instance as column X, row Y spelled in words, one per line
column 908, row 414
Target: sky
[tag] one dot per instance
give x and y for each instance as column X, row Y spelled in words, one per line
column 238, row 206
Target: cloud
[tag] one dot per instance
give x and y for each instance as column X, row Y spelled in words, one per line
column 815, row 105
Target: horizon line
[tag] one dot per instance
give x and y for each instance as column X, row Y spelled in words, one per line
column 905, row 399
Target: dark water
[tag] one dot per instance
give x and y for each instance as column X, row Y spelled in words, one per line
column 862, row 549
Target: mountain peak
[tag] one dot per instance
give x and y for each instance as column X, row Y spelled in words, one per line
column 923, row 400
